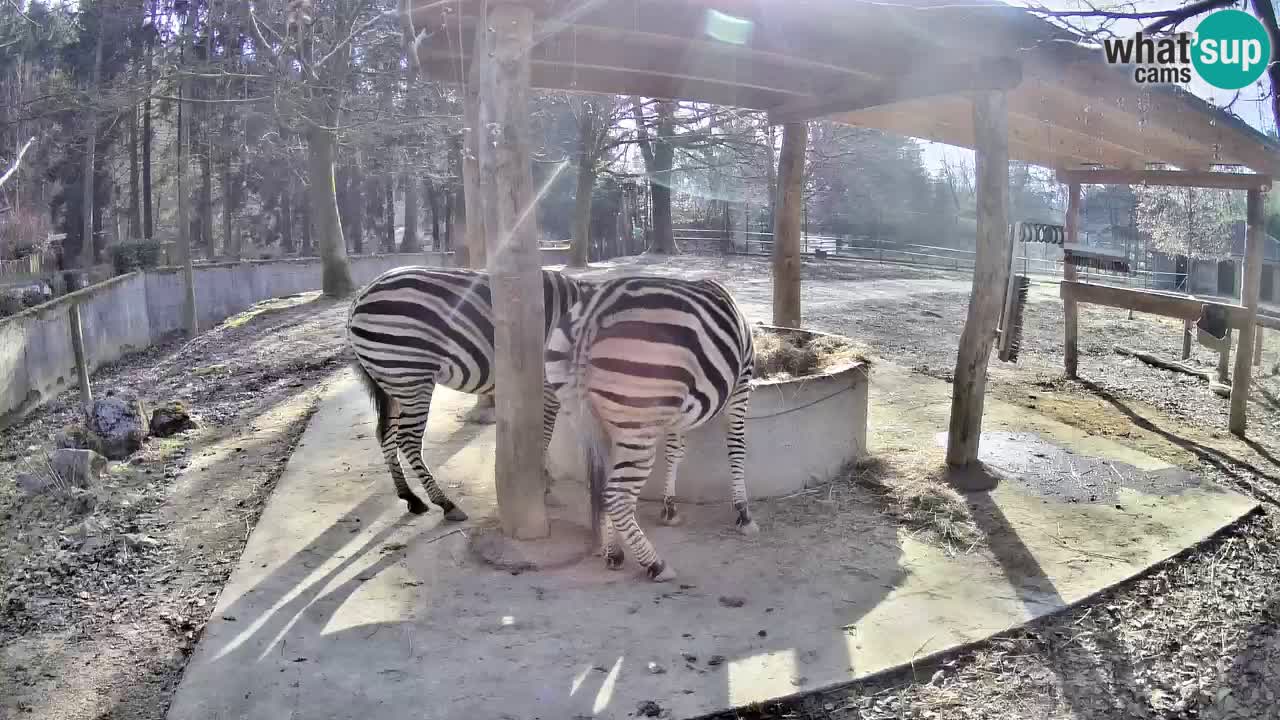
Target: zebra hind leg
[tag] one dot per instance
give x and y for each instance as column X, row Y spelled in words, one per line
column 413, row 425
column 550, row 408
column 737, row 444
column 388, row 437
column 388, row 432
column 675, row 449
column 632, row 463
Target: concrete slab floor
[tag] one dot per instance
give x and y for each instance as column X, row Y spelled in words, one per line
column 344, row 606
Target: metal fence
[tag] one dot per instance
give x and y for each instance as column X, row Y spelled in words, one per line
column 932, row 256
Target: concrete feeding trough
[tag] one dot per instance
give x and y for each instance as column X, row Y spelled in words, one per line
column 800, row 432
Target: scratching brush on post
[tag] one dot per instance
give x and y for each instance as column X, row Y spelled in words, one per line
column 1009, row 333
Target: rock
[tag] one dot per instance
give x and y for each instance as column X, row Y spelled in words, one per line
column 31, row 484
column 77, row 468
column 79, row 501
column 732, row 601
column 121, row 422
column 648, row 708
column 77, row 437
column 171, row 418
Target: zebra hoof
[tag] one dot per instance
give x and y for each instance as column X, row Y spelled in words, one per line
column 455, row 514
column 416, row 506
column 552, row 500
column 672, row 519
column 613, row 560
column 661, row 572
column 749, row 528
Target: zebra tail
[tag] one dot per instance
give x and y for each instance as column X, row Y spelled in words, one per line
column 566, row 368
column 381, row 401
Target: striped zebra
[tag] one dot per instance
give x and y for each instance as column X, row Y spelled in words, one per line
column 643, row 359
column 414, row 328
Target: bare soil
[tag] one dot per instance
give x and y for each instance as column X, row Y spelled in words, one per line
column 102, row 602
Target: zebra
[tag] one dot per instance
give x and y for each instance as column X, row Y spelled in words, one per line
column 413, row 328
column 641, row 359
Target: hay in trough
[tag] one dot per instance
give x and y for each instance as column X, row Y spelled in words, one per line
column 783, row 355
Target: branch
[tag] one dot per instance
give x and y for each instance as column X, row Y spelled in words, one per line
column 1186, row 12
column 18, row 161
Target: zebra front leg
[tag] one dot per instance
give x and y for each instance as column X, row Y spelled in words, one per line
column 550, row 408
column 388, row 431
column 675, row 449
column 737, row 442
column 413, row 425
column 632, row 462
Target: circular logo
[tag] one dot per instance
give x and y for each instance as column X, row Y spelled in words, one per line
column 1231, row 49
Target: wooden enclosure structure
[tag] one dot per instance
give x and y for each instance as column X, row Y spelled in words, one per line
column 979, row 74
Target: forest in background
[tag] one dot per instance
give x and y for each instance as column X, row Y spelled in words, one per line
column 257, row 130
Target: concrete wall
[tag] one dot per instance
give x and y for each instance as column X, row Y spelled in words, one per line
column 131, row 312
column 800, row 433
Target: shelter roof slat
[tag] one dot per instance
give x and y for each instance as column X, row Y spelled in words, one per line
column 1069, row 110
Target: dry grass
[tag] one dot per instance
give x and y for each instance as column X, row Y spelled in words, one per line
column 910, row 488
column 785, row 355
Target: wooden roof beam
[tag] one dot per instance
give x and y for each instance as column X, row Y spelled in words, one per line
column 1169, row 178
column 984, row 75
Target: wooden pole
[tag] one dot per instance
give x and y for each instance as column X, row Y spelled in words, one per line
column 473, row 252
column 1249, row 287
column 1070, row 311
column 787, row 226
column 990, row 274
column 82, row 360
column 1186, row 339
column 514, row 266
column 1224, row 359
column 1257, row 345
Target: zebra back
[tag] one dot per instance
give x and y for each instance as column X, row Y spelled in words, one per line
column 653, row 341
column 439, row 322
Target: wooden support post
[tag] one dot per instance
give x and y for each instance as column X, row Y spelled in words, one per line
column 787, row 226
column 1249, row 287
column 1257, row 345
column 990, row 273
column 473, row 251
column 1187, row 329
column 1224, row 360
column 1070, row 311
column 82, row 359
column 515, row 267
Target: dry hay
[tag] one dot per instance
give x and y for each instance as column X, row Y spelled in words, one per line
column 910, row 488
column 784, row 355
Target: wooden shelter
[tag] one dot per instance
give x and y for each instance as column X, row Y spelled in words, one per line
column 978, row 74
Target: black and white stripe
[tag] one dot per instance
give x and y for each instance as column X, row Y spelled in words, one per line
column 414, row 328
column 643, row 359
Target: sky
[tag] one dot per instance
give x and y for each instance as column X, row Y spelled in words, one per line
column 1250, row 107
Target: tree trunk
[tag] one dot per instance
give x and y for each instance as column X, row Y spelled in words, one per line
column 135, row 207
column 353, row 210
column 336, row 273
column 433, row 200
column 389, row 197
column 148, row 216
column 206, row 196
column 229, row 193
column 87, row 255
column 475, row 192
column 664, row 240
column 184, row 227
column 308, row 247
column 409, row 241
column 286, row 217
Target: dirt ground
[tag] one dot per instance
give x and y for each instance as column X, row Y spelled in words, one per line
column 102, row 602
column 100, row 607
